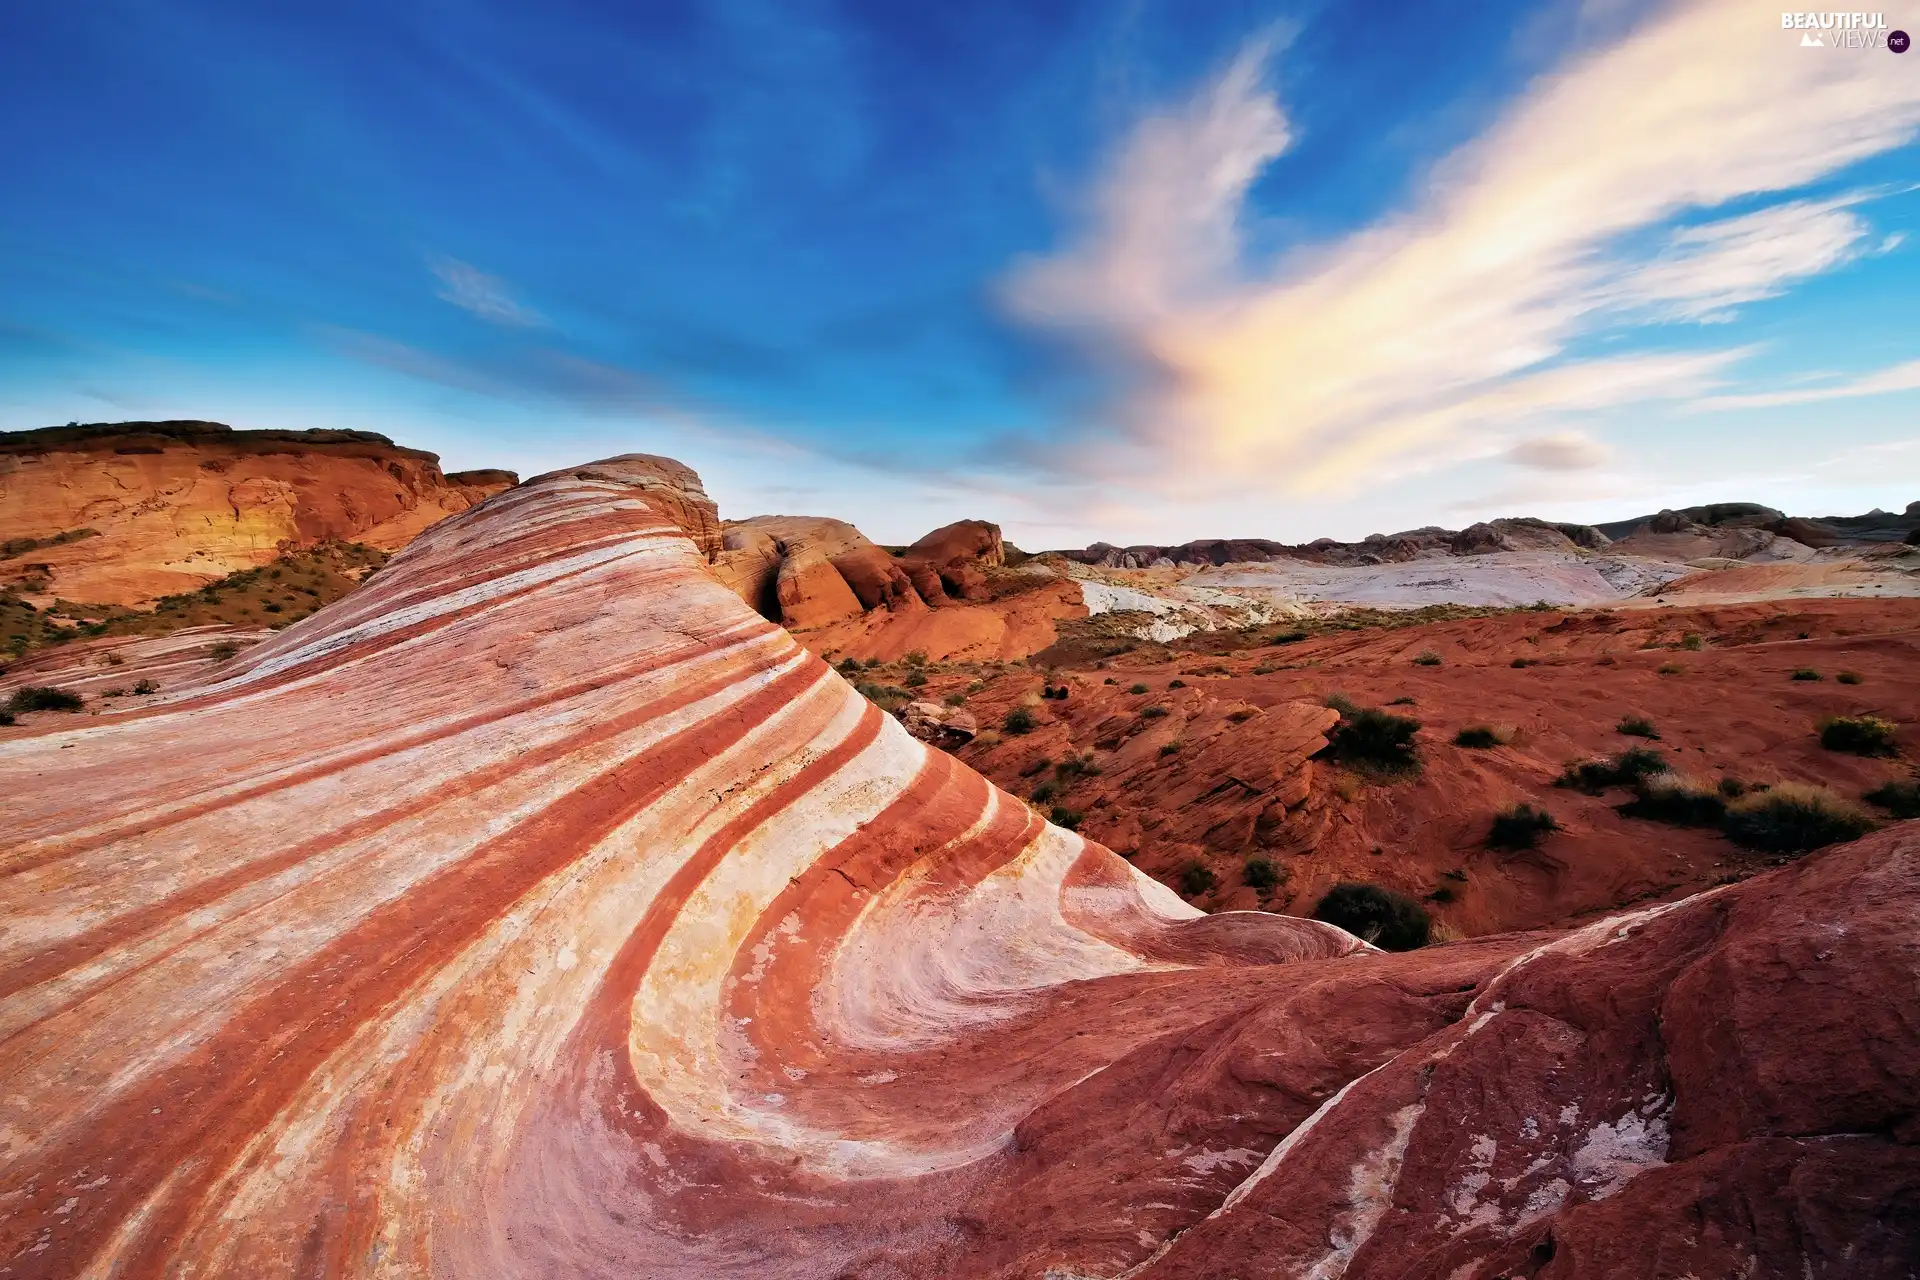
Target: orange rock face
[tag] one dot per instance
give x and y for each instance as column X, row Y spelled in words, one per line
column 539, row 910
column 177, row 505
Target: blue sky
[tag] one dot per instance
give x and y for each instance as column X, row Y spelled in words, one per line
column 1141, row 272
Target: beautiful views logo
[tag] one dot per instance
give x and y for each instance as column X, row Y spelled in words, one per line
column 1844, row 31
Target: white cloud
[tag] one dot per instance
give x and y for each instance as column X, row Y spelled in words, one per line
column 1446, row 331
column 1568, row 451
column 1706, row 270
column 472, row 289
column 1163, row 223
column 1899, row 377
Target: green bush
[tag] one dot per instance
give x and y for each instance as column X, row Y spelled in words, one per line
column 1731, row 788
column 1374, row 739
column 1290, row 637
column 1176, row 684
column 1042, row 793
column 1478, row 736
column 1805, row 673
column 1624, row 770
column 1681, row 802
column 1261, row 873
column 1692, row 642
column 1524, row 662
column 914, row 679
column 1019, row 720
column 1637, row 727
column 1427, row 658
column 1669, row 669
column 40, row 697
column 1391, row 921
column 915, row 658
column 222, row 651
column 1138, row 688
column 955, row 699
column 144, row 687
column 1850, row 677
column 1792, row 818
column 887, row 697
column 1169, row 749
column 1065, row 817
column 846, row 666
column 1152, row 713
column 1901, row 799
column 1859, row 735
column 1196, row 879
column 1520, row 828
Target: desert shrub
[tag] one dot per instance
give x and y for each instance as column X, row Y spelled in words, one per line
column 846, row 666
column 1065, row 817
column 1805, row 673
column 1169, row 749
column 1261, row 873
column 115, row 692
column 1520, row 827
column 1196, row 879
column 1426, row 658
column 1375, row 739
column 1692, row 642
column 1069, row 770
column 1442, row 894
column 272, row 608
column 888, row 697
column 1152, row 713
column 1241, row 715
column 1794, row 818
column 1682, row 802
column 1176, row 684
column 1042, row 793
column 1040, row 765
column 1850, row 677
column 6, row 718
column 1290, row 637
column 1477, row 735
column 1138, row 688
column 1624, row 770
column 143, row 687
column 915, row 657
column 40, row 697
column 1019, row 720
column 1732, row 788
column 1524, row 662
column 955, row 699
column 1391, row 921
column 1669, row 669
column 1404, row 700
column 914, row 679
column 1264, row 670
column 871, row 663
column 227, row 648
column 1901, row 799
column 1859, row 735
column 1109, row 680
column 1637, row 727
column 115, row 660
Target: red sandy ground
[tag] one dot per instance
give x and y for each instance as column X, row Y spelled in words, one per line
column 1732, row 708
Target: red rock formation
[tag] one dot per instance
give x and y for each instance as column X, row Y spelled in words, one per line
column 174, row 505
column 539, row 910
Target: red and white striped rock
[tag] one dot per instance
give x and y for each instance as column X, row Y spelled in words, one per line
column 540, row 910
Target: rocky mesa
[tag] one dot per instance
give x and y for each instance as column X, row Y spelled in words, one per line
column 122, row 513
column 591, row 926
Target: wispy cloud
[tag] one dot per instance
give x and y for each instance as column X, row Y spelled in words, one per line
column 472, row 289
column 1567, row 451
column 1450, row 329
column 1899, row 377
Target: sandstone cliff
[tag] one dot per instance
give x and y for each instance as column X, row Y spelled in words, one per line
column 121, row 513
column 589, row 926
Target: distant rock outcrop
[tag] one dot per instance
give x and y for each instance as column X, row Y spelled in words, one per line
column 170, row 506
column 809, row 572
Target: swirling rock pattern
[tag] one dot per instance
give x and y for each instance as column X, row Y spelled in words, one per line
column 540, row 910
